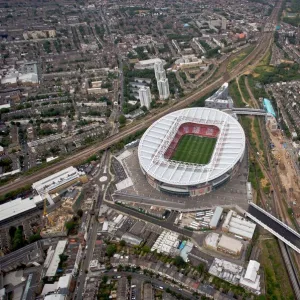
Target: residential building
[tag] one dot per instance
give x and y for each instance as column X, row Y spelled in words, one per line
column 145, row 96
column 163, row 88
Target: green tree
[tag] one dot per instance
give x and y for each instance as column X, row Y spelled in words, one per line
column 122, row 120
column 179, row 262
column 111, row 250
column 122, row 243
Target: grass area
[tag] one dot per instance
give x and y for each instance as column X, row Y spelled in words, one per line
column 276, row 278
column 194, row 149
column 235, row 94
column 244, row 90
column 237, row 59
column 256, row 88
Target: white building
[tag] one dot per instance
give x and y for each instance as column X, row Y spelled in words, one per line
column 17, row 207
column 251, row 279
column 53, row 183
column 163, row 89
column 238, row 225
column 159, row 70
column 145, row 96
column 60, row 248
column 148, row 64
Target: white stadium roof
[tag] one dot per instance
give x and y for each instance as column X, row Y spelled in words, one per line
column 229, row 148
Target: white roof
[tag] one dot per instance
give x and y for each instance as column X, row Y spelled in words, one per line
column 17, row 206
column 150, row 61
column 228, row 151
column 55, row 259
column 252, row 270
column 230, row 244
column 64, row 281
column 53, row 181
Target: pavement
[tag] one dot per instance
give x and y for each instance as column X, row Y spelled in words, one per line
column 232, row 193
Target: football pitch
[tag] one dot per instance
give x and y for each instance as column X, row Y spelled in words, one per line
column 194, row 149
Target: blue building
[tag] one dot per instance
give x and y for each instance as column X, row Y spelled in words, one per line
column 269, row 107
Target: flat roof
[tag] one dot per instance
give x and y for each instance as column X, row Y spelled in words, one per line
column 60, row 248
column 18, row 206
column 230, row 243
column 228, row 151
column 59, row 178
column 216, row 216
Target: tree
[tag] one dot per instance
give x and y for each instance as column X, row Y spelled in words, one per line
column 80, row 213
column 179, row 262
column 34, row 237
column 144, row 108
column 122, row 120
column 70, row 225
column 111, row 250
column 122, row 243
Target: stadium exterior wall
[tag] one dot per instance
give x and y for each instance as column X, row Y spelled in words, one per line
column 192, row 190
column 227, row 156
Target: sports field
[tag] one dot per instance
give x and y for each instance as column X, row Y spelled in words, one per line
column 194, row 149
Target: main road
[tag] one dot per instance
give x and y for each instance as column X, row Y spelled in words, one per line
column 252, row 59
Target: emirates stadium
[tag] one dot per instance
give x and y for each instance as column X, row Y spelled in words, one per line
column 192, row 151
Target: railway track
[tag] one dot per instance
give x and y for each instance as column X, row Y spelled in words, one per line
column 252, row 59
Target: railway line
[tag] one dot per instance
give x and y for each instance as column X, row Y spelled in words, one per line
column 252, row 59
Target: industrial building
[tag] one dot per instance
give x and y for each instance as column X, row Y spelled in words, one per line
column 58, row 181
column 226, row 270
column 166, row 243
column 18, row 207
column 251, row 279
column 131, row 239
column 223, row 243
column 230, row 245
column 238, row 225
column 216, row 217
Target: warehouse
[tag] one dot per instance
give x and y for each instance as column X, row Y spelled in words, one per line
column 251, row 279
column 19, row 207
column 230, row 245
column 166, row 243
column 216, row 218
column 223, row 243
column 238, row 225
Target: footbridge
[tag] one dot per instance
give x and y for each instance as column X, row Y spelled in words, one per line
column 249, row 111
column 283, row 232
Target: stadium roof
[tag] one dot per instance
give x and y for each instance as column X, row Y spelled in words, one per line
column 228, row 150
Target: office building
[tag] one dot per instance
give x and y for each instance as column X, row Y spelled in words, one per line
column 145, row 96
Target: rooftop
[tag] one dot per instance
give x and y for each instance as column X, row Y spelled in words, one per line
column 228, row 150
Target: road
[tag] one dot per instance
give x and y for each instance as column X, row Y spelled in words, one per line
column 92, row 233
column 252, row 59
column 154, row 282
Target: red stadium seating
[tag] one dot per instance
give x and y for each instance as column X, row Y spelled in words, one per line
column 192, row 129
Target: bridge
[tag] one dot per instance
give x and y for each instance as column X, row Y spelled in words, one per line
column 249, row 111
column 283, row 232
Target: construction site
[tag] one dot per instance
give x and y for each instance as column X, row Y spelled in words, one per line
column 54, row 221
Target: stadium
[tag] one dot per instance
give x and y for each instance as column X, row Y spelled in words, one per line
column 192, row 151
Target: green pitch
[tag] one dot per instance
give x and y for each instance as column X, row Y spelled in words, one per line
column 194, row 149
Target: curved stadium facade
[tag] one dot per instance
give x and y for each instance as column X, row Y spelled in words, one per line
column 191, row 151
